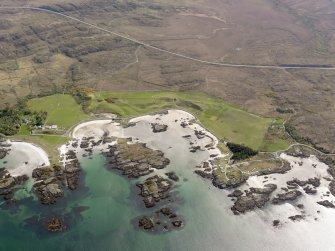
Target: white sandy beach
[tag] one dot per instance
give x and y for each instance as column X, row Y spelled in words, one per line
column 143, row 132
column 24, row 157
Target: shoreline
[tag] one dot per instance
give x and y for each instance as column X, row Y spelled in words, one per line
column 23, row 157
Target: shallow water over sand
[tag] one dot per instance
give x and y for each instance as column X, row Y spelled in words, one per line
column 101, row 212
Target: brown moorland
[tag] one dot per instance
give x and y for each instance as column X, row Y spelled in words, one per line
column 44, row 53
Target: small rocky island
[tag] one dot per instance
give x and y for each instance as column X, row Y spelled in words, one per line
column 48, row 183
column 9, row 184
column 154, row 189
column 162, row 220
column 55, row 225
column 135, row 160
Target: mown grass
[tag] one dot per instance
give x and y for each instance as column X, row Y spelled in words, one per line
column 24, row 130
column 62, row 110
column 225, row 121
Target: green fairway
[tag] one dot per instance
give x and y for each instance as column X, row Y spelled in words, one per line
column 24, row 130
column 62, row 110
column 225, row 121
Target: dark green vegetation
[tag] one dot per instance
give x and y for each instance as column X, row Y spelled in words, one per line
column 291, row 129
column 11, row 120
column 284, row 110
column 241, row 152
column 293, row 132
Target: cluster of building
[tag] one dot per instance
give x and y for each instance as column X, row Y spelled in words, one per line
column 47, row 127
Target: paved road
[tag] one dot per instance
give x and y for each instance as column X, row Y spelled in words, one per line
column 164, row 50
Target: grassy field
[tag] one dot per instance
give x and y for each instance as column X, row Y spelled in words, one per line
column 62, row 110
column 225, row 121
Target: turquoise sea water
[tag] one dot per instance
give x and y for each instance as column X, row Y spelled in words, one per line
column 100, row 215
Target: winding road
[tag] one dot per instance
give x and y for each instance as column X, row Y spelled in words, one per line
column 168, row 51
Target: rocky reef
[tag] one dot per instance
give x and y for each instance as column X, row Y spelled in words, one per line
column 48, row 183
column 135, row 159
column 172, row 176
column 154, row 189
column 9, row 184
column 55, row 225
column 3, row 152
column 330, row 162
column 255, row 198
column 326, row 203
column 288, row 196
column 162, row 220
column 72, row 170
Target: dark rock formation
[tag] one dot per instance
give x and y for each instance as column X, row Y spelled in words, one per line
column 249, row 202
column 199, row 134
column 315, row 182
column 300, row 206
column 172, row 176
column 72, row 170
column 194, row 149
column 84, row 144
column 183, row 124
column 236, row 193
column 267, row 189
column 332, row 187
column 288, row 196
column 156, row 128
column 55, row 225
column 326, row 203
column 3, row 152
column 9, row 185
column 135, row 160
column 206, row 175
column 48, row 183
column 276, row 223
column 154, row 189
column 255, row 198
column 310, row 190
column 146, row 223
column 296, row 217
column 163, row 220
column 177, row 223
column 167, row 212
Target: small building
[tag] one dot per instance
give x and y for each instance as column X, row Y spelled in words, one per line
column 26, row 121
column 53, row 127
